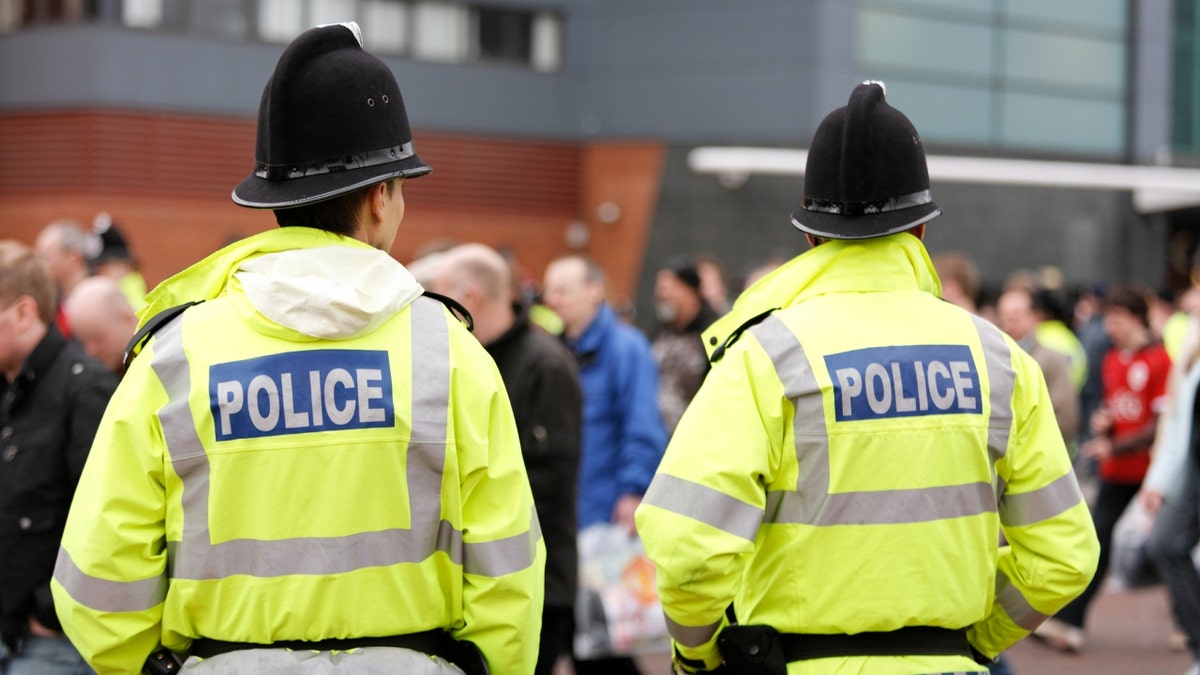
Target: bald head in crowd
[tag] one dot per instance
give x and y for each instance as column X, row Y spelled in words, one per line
column 102, row 320
column 479, row 278
column 63, row 246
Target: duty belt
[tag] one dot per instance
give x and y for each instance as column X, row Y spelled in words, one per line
column 435, row 642
column 910, row 641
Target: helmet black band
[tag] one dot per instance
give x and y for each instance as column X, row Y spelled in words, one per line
column 356, row 161
column 864, row 208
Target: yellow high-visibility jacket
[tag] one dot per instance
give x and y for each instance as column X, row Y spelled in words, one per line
column 849, row 464
column 316, row 451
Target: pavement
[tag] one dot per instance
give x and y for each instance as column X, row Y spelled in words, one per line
column 1129, row 633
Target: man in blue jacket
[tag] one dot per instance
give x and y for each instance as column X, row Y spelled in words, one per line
column 623, row 436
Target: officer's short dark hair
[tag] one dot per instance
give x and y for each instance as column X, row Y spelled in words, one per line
column 338, row 215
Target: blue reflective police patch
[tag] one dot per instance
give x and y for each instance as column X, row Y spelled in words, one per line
column 300, row 392
column 904, row 382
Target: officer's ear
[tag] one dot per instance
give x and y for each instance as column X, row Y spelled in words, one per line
column 918, row 232
column 377, row 196
column 813, row 241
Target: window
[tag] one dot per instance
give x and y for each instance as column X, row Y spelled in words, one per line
column 385, row 25
column 440, row 32
column 503, row 35
column 1024, row 75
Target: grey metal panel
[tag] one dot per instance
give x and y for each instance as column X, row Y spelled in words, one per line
column 1150, row 131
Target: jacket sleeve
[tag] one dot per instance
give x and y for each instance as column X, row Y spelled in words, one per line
column 700, row 518
column 110, row 579
column 1052, row 546
column 643, row 437
column 504, row 556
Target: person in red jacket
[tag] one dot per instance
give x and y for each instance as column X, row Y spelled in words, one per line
column 1134, row 374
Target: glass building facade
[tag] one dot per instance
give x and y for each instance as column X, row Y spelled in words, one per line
column 1004, row 76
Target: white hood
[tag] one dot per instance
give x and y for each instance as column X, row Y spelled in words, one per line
column 332, row 292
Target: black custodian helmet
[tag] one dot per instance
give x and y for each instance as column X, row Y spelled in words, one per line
column 331, row 121
column 866, row 174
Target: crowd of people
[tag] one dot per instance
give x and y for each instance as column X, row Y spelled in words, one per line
column 554, row 414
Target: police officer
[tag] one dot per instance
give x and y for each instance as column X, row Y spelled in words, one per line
column 315, row 469
column 838, row 484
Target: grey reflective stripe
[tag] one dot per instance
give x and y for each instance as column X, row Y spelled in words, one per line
column 503, row 556
column 1001, row 382
column 702, row 503
column 691, row 636
column 812, row 503
column 808, row 425
column 184, row 448
column 196, row 557
column 1018, row 608
column 1041, row 504
column 108, row 596
column 898, row 507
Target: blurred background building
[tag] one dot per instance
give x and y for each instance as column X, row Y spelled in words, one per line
column 1061, row 134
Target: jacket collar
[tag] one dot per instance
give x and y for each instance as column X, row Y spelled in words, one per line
column 277, row 277
column 593, row 336
column 893, row 263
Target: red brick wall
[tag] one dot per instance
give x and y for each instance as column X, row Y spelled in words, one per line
column 166, row 180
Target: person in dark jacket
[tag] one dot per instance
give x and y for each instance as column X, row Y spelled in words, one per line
column 52, row 397
column 543, row 386
column 682, row 314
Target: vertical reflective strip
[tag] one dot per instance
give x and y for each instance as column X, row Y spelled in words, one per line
column 1015, row 605
column 1001, row 382
column 812, row 439
column 195, row 557
column 426, row 458
column 184, row 447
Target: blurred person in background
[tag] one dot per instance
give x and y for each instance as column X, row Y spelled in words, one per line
column 65, row 248
column 959, row 277
column 1054, row 332
column 713, row 288
column 1016, row 317
column 623, row 435
column 1088, row 323
column 1171, row 492
column 52, row 397
column 543, row 384
column 1135, row 372
column 115, row 260
column 682, row 313
column 102, row 320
